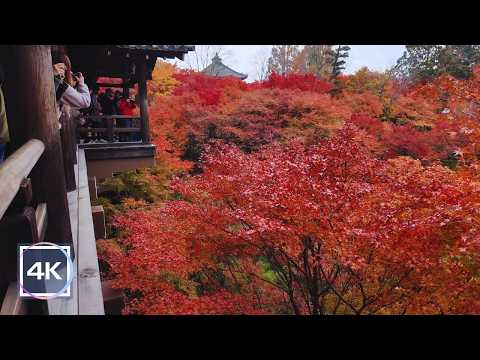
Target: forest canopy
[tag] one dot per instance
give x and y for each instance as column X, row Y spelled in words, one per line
column 310, row 192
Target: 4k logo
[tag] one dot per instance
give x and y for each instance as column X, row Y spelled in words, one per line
column 36, row 270
column 45, row 271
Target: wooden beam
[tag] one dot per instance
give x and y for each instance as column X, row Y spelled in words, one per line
column 15, row 229
column 115, row 146
column 100, row 117
column 23, row 198
column 109, row 85
column 108, row 152
column 98, row 215
column 115, row 130
column 31, row 114
column 110, row 293
column 42, row 220
column 15, row 169
column 90, row 299
column 13, row 304
column 68, row 162
column 127, row 130
column 96, row 130
column 86, row 296
column 25, row 193
column 125, row 85
column 110, row 129
column 142, row 94
column 73, row 140
column 92, row 188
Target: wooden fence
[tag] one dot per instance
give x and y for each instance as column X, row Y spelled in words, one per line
column 108, row 133
column 21, row 220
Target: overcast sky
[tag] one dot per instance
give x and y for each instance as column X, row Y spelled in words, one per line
column 376, row 57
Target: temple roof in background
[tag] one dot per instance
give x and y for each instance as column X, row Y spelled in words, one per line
column 219, row 69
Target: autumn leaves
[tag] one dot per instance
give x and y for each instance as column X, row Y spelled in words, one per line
column 308, row 203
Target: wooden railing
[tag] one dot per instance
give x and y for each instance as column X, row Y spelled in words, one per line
column 108, row 133
column 19, row 220
column 15, row 169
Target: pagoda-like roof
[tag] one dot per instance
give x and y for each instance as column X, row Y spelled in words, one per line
column 219, row 69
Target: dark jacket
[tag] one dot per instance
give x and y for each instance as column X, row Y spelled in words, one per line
column 108, row 105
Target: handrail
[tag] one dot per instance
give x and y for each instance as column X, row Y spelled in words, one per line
column 99, row 117
column 104, row 130
column 110, row 130
column 16, row 168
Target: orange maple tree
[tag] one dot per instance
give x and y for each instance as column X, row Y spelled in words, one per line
column 365, row 202
column 342, row 231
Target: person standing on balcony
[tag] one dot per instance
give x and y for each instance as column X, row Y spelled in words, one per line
column 118, row 96
column 126, row 106
column 4, row 134
column 76, row 94
column 107, row 101
column 86, row 121
column 72, row 93
column 94, row 108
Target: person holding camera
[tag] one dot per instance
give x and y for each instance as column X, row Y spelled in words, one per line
column 126, row 106
column 71, row 91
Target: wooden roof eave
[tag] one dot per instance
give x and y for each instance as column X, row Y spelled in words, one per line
column 151, row 53
column 113, row 61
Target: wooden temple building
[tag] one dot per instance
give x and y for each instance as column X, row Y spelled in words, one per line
column 48, row 182
column 218, row 69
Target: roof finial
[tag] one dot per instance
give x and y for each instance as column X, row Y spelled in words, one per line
column 216, row 59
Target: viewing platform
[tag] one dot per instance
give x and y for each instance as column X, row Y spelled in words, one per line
column 86, row 293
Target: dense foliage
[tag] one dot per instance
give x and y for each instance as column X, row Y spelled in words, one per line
column 422, row 63
column 294, row 196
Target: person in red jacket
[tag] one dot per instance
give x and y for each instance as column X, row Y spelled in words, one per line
column 126, row 106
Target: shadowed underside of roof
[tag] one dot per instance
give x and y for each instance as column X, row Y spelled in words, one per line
column 168, row 48
column 117, row 61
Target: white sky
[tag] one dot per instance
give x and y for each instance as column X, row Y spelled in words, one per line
column 376, row 57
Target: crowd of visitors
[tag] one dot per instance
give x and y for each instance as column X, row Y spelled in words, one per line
column 111, row 103
column 75, row 100
column 79, row 102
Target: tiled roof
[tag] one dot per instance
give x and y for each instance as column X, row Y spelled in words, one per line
column 218, row 69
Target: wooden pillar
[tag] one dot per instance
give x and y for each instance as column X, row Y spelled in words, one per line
column 126, row 88
column 110, row 137
column 142, row 98
column 30, row 104
column 68, row 162
column 73, row 138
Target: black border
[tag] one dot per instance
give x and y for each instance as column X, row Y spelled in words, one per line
column 243, row 22
column 297, row 23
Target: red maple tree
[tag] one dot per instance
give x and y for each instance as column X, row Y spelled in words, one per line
column 325, row 229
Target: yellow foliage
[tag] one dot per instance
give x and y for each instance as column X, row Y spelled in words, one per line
column 107, row 248
column 366, row 80
column 162, row 82
column 131, row 203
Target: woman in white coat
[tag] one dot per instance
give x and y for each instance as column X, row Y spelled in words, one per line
column 75, row 95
